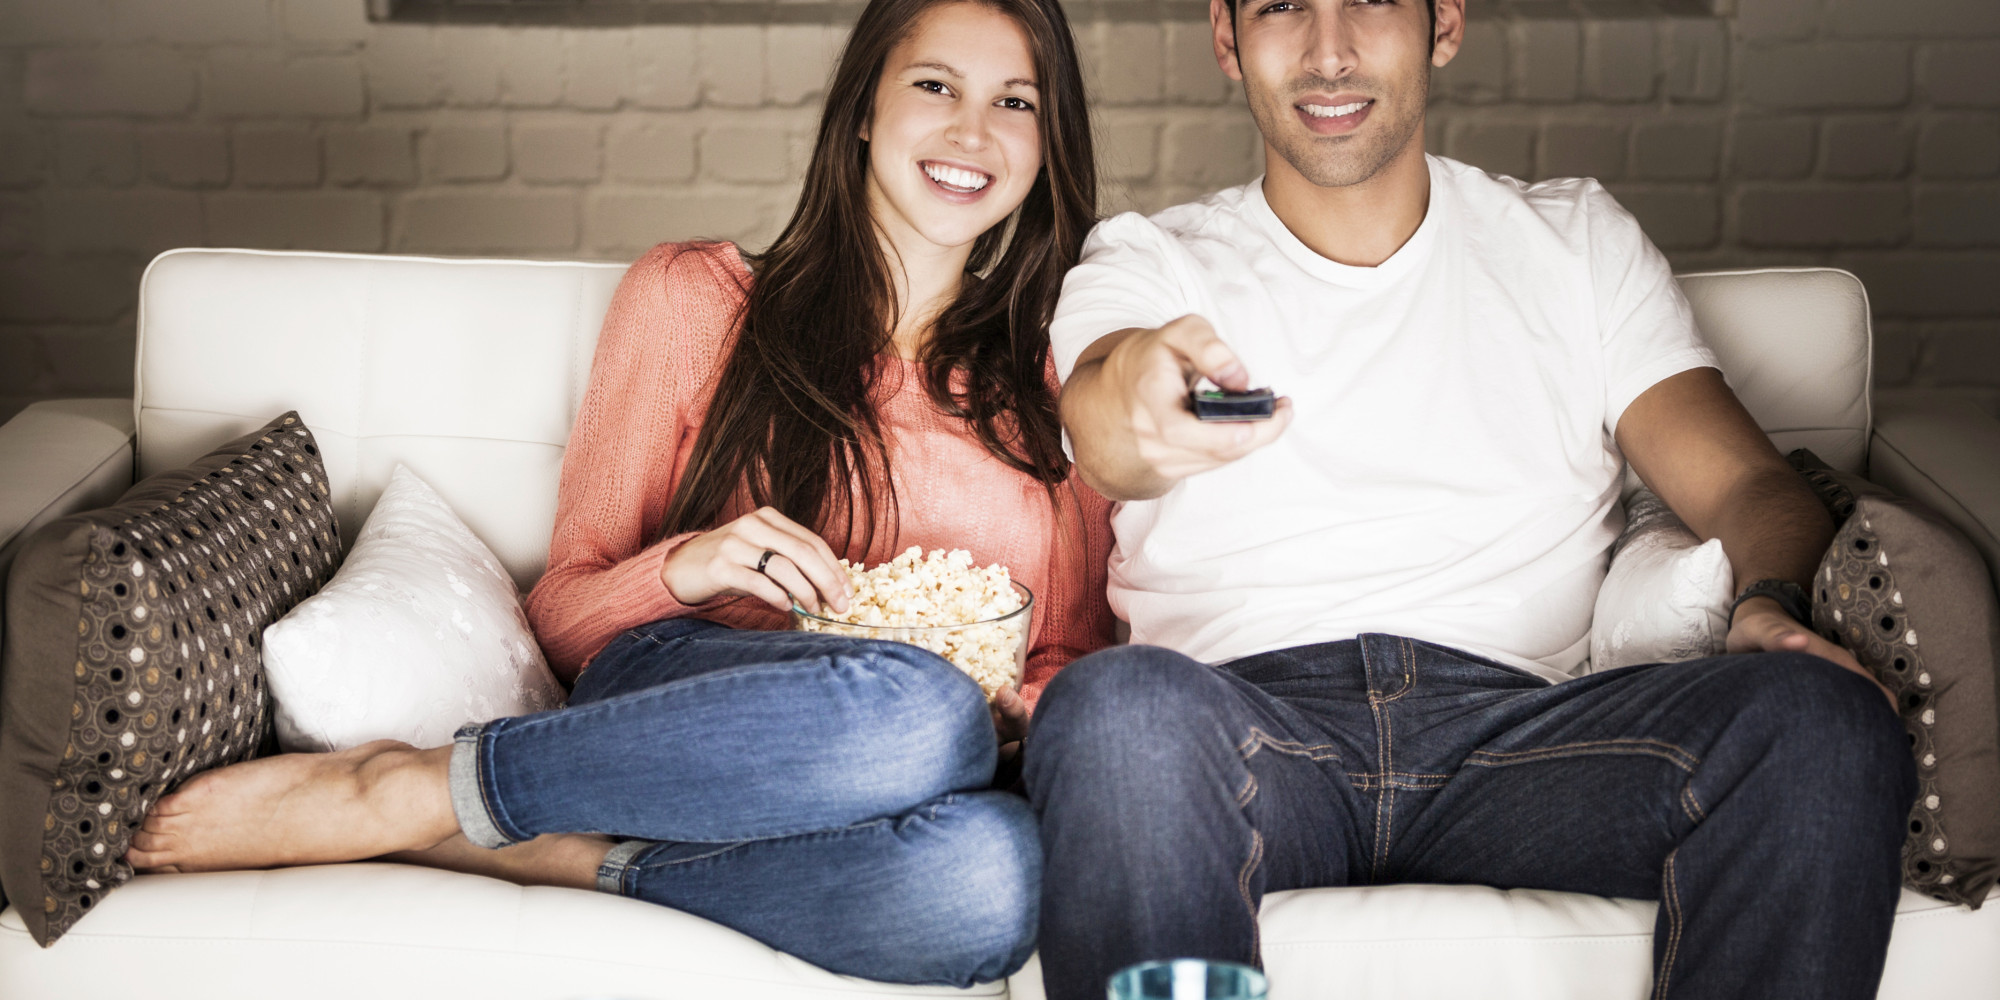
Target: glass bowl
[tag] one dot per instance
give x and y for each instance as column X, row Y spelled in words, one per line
column 993, row 652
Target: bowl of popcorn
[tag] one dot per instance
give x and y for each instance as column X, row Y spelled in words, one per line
column 976, row 617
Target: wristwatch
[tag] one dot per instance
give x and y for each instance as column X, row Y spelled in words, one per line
column 1790, row 596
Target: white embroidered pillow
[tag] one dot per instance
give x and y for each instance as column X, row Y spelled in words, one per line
column 419, row 633
column 1667, row 595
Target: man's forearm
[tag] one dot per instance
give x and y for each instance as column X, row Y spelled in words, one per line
column 1772, row 527
column 1775, row 529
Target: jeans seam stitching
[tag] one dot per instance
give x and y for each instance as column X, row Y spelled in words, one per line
column 822, row 831
column 1692, row 805
column 1247, row 792
column 1672, row 900
column 1243, row 888
column 1473, row 760
column 1256, row 856
column 1259, row 739
column 1389, row 813
column 718, row 852
column 1381, row 748
column 1367, row 782
column 1657, row 748
column 1389, row 747
column 1385, row 797
column 1677, row 748
column 805, row 834
column 1409, row 681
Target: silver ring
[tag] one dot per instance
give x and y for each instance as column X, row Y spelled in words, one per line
column 765, row 558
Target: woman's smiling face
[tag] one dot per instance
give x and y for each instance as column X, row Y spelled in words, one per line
column 954, row 140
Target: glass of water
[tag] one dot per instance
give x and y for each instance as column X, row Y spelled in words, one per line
column 1187, row 979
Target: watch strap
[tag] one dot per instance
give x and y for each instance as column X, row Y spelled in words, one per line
column 1790, row 596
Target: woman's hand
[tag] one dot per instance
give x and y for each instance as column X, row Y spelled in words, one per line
column 723, row 562
column 1010, row 721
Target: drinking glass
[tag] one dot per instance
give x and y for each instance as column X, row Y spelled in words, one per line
column 1187, row 979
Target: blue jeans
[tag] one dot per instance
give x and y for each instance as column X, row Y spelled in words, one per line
column 823, row 794
column 1761, row 799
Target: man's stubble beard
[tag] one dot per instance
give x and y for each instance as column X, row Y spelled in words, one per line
column 1338, row 161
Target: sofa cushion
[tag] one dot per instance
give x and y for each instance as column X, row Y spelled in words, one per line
column 419, row 633
column 1910, row 598
column 131, row 655
column 388, row 932
column 399, row 932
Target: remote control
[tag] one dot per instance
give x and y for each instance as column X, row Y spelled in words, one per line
column 1221, row 404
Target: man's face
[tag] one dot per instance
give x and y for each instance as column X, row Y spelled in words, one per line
column 1338, row 87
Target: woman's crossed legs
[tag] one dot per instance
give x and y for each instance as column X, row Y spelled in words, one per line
column 750, row 777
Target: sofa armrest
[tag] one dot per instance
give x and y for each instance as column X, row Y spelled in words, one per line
column 58, row 457
column 1943, row 452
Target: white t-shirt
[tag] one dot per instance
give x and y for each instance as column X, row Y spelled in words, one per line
column 1451, row 473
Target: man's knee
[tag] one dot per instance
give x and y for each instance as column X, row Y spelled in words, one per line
column 1119, row 689
column 1826, row 725
column 1126, row 718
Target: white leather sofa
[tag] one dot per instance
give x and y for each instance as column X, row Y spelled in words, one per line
column 470, row 372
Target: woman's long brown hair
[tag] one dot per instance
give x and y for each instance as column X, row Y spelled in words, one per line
column 792, row 420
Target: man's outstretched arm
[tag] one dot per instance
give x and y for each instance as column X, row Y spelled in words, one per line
column 1691, row 441
column 1125, row 409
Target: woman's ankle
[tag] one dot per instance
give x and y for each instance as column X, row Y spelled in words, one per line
column 411, row 790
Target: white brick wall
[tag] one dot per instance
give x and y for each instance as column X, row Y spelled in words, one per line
column 1860, row 133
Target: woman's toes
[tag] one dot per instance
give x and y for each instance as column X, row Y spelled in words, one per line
column 147, row 860
column 174, row 804
column 151, row 852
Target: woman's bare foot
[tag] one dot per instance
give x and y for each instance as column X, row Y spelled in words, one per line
column 301, row 809
column 566, row 860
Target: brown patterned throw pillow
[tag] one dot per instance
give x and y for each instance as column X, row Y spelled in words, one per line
column 1910, row 598
column 132, row 658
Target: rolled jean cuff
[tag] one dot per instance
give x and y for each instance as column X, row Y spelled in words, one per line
column 611, row 871
column 468, row 792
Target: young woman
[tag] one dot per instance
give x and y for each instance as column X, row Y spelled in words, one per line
column 879, row 378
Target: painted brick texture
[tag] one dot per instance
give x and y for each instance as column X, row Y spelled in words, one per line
column 1855, row 133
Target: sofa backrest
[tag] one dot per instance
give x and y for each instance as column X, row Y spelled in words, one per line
column 471, row 371
column 1797, row 346
column 468, row 371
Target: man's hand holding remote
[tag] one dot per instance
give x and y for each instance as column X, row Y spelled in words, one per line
column 1126, row 409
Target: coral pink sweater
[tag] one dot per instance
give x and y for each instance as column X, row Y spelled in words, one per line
column 665, row 338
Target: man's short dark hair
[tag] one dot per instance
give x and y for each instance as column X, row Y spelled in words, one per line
column 1432, row 5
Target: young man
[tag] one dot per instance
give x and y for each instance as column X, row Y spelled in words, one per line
column 1346, row 620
